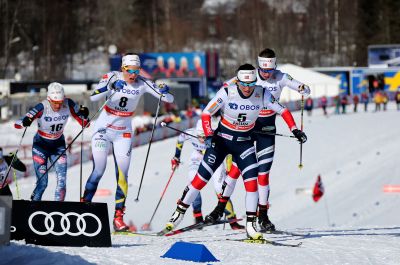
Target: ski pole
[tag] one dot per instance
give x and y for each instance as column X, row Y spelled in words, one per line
column 301, row 129
column 15, row 155
column 148, row 149
column 275, row 134
column 76, row 137
column 16, row 183
column 162, row 195
column 163, row 124
column 80, row 175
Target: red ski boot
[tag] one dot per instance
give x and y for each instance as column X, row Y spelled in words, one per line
column 119, row 224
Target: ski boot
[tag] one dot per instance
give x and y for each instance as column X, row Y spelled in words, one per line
column 251, row 228
column 198, row 219
column 216, row 214
column 265, row 224
column 175, row 219
column 119, row 224
column 235, row 225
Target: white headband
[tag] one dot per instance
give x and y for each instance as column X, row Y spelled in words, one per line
column 131, row 60
column 269, row 63
column 247, row 75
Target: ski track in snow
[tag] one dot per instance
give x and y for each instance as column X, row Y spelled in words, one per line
column 353, row 223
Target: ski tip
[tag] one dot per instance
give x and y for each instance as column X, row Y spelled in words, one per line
column 163, row 124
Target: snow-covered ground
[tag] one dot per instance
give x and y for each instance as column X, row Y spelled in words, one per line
column 355, row 222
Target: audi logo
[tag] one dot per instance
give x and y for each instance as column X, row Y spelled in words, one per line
column 65, row 224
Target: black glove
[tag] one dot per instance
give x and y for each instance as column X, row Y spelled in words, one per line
column 301, row 136
column 26, row 121
column 83, row 112
column 208, row 142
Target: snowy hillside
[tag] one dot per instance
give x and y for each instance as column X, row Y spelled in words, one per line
column 355, row 222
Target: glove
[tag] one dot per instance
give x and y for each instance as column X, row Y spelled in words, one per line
column 118, row 85
column 83, row 112
column 208, row 142
column 175, row 162
column 304, row 90
column 301, row 136
column 26, row 121
column 163, row 88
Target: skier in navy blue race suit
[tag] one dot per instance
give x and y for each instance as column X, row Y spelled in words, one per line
column 5, row 162
column 48, row 143
column 240, row 105
column 274, row 81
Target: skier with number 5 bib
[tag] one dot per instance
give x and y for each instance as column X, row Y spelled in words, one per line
column 274, row 81
column 240, row 105
column 52, row 115
column 122, row 92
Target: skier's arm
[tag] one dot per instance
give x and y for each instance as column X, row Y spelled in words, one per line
column 157, row 91
column 33, row 113
column 272, row 103
column 212, row 107
column 103, row 87
column 295, row 85
column 17, row 164
column 80, row 114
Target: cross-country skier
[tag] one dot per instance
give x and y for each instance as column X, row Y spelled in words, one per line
column 122, row 91
column 5, row 162
column 195, row 160
column 48, row 143
column 274, row 81
column 240, row 105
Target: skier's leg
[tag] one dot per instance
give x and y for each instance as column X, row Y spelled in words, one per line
column 100, row 148
column 40, row 157
column 61, row 171
column 122, row 146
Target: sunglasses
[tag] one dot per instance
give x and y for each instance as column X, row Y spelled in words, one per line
column 266, row 70
column 130, row 71
column 247, row 84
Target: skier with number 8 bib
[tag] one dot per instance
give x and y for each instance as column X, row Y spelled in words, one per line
column 240, row 105
column 122, row 91
column 49, row 142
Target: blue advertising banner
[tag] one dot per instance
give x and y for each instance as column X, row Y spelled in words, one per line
column 174, row 65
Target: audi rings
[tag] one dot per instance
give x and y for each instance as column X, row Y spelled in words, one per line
column 65, row 224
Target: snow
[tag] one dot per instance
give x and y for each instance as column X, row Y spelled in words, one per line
column 355, row 222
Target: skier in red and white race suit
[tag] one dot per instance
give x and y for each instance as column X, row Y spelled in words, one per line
column 240, row 105
column 274, row 81
column 113, row 128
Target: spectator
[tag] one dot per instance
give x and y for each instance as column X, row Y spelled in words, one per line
column 397, row 98
column 385, row 100
column 344, row 102
column 336, row 100
column 356, row 100
column 309, row 105
column 365, row 100
column 324, row 104
column 378, row 99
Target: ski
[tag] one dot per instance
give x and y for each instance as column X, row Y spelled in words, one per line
column 200, row 225
column 129, row 233
column 265, row 241
column 283, row 232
